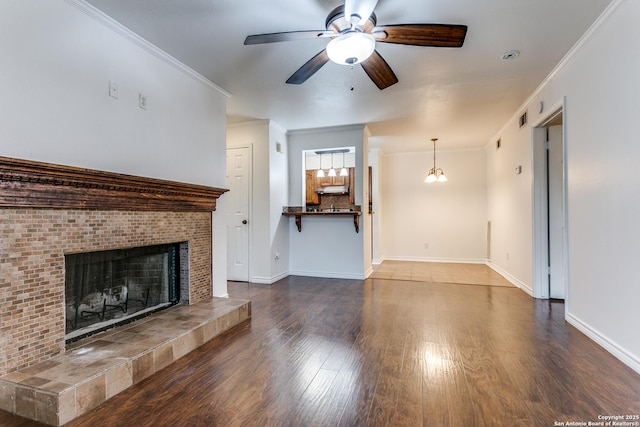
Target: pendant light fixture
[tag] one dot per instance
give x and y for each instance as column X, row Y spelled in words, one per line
column 323, row 164
column 323, row 171
column 332, row 171
column 343, row 170
column 435, row 175
column 320, row 173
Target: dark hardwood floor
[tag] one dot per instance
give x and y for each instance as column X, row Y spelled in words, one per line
column 325, row 352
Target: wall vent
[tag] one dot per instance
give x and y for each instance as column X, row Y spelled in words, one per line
column 522, row 121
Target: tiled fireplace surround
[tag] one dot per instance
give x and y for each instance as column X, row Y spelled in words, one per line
column 47, row 211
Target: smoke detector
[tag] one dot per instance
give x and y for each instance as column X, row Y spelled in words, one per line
column 512, row 54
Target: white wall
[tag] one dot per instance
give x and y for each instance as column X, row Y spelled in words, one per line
column 449, row 217
column 375, row 161
column 510, row 204
column 55, row 107
column 329, row 246
column 279, row 195
column 268, row 229
column 600, row 81
column 57, row 64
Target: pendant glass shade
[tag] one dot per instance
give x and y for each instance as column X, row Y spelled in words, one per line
column 320, row 173
column 351, row 47
column 436, row 175
column 332, row 172
column 431, row 177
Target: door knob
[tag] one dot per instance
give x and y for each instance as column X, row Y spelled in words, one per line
column 244, row 221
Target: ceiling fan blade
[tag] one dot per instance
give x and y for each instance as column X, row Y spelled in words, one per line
column 309, row 68
column 362, row 8
column 287, row 36
column 379, row 71
column 436, row 35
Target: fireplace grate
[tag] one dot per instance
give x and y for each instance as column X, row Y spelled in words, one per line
column 107, row 288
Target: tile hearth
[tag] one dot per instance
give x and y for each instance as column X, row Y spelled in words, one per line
column 97, row 368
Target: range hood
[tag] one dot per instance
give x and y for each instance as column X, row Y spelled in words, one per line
column 333, row 189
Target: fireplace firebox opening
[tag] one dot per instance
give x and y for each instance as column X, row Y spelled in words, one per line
column 109, row 288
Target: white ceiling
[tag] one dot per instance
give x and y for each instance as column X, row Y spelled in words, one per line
column 462, row 96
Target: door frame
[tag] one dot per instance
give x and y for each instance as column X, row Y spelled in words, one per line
column 540, row 205
column 249, row 147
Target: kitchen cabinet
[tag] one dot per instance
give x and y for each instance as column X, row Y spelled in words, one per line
column 332, row 180
column 312, row 198
column 313, row 183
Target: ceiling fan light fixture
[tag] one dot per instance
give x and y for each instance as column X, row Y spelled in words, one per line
column 351, row 47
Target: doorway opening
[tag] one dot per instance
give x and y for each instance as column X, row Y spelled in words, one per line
column 550, row 229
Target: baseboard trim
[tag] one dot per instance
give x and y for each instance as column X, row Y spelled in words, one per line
column 620, row 353
column 447, row 260
column 268, row 280
column 328, row 275
column 510, row 278
column 369, row 272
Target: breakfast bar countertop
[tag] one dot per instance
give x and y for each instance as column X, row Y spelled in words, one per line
column 299, row 211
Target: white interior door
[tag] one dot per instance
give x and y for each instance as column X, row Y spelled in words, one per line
column 238, row 181
column 556, row 214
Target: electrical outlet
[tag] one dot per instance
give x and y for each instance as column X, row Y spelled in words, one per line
column 114, row 89
column 426, row 246
column 142, row 101
column 277, row 256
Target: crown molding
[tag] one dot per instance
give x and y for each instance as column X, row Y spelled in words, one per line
column 149, row 47
column 560, row 66
column 340, row 128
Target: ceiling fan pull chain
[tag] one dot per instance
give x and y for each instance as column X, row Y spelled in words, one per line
column 352, row 67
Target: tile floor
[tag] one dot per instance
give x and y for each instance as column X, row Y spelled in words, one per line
column 97, row 368
column 439, row 272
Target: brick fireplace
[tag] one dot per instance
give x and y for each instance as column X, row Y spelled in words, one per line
column 49, row 211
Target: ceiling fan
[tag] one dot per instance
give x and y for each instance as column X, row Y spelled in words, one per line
column 353, row 32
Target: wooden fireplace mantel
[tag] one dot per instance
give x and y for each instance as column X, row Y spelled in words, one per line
column 29, row 184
